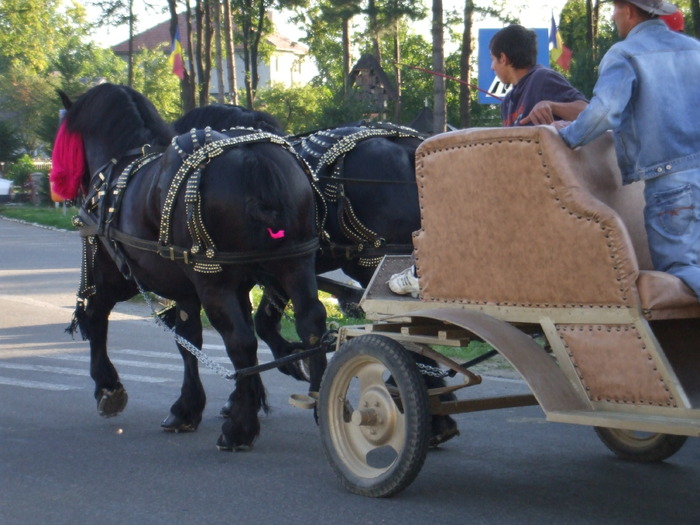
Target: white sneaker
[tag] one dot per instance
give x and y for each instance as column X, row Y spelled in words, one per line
column 405, row 282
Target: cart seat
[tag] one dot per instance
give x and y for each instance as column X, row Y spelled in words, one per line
column 513, row 217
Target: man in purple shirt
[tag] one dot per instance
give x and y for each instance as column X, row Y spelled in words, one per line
column 540, row 95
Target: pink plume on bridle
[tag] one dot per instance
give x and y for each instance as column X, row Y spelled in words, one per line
column 67, row 163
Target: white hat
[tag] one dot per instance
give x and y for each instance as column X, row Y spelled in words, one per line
column 655, row 7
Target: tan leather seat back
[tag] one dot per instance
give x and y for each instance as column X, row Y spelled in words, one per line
column 509, row 217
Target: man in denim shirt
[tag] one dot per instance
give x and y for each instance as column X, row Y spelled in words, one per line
column 647, row 94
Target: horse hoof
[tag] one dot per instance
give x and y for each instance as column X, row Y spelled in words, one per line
column 173, row 423
column 224, row 445
column 225, row 411
column 111, row 402
column 444, row 428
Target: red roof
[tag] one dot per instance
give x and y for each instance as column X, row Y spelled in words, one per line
column 160, row 35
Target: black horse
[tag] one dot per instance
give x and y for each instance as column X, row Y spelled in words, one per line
column 199, row 221
column 366, row 173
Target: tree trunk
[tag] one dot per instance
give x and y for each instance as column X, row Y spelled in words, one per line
column 130, row 61
column 254, row 75
column 230, row 53
column 207, row 36
column 695, row 15
column 186, row 91
column 190, row 96
column 198, row 34
column 219, row 64
column 439, row 103
column 374, row 30
column 397, row 73
column 465, row 106
column 346, row 55
column 589, row 23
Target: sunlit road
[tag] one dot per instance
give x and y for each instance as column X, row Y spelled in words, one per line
column 60, row 463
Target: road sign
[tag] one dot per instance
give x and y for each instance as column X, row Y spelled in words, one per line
column 487, row 78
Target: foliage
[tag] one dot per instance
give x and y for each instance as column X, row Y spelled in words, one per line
column 10, row 142
column 585, row 57
column 154, row 79
column 323, row 36
column 44, row 47
column 298, row 109
column 18, row 172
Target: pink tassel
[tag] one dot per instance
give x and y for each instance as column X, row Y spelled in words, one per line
column 276, row 235
column 68, row 163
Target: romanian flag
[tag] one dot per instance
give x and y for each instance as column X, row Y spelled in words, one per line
column 176, row 59
column 557, row 50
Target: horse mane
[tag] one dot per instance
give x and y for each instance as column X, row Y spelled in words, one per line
column 121, row 116
column 225, row 116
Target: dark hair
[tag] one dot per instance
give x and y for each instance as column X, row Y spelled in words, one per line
column 517, row 43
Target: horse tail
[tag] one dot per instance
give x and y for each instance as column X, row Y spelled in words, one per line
column 267, row 188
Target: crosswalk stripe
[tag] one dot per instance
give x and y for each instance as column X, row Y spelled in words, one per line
column 36, row 384
column 133, row 363
column 75, row 372
column 125, row 352
column 176, row 355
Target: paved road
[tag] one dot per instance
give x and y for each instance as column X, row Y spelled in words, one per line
column 60, row 463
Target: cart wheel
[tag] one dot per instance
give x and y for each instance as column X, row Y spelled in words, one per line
column 375, row 434
column 644, row 447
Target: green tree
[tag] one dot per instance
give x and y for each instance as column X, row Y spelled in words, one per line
column 18, row 172
column 253, row 24
column 10, row 142
column 43, row 47
column 439, row 100
column 298, row 109
column 327, row 35
column 28, row 33
column 154, row 79
column 576, row 31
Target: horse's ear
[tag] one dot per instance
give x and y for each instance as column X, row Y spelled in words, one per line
column 67, row 103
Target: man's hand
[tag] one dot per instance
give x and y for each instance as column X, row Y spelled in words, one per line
column 545, row 110
column 541, row 114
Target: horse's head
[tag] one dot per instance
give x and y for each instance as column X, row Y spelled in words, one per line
column 103, row 123
column 226, row 116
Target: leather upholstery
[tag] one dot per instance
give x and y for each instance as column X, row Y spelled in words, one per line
column 512, row 216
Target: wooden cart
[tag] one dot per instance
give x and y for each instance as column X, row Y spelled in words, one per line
column 520, row 236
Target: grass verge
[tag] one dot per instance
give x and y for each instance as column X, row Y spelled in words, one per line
column 55, row 217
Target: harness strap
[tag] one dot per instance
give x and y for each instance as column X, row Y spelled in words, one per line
column 178, row 253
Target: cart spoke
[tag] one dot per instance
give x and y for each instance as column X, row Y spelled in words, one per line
column 371, row 375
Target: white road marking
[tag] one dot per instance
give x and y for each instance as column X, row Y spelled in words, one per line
column 36, row 384
column 75, row 372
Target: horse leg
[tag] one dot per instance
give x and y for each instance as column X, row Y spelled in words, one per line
column 309, row 315
column 242, row 425
column 267, row 325
column 186, row 412
column 110, row 394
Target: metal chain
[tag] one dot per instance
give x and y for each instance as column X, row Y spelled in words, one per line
column 273, row 296
column 201, row 356
column 432, row 371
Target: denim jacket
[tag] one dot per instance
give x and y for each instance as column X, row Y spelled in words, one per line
column 648, row 93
